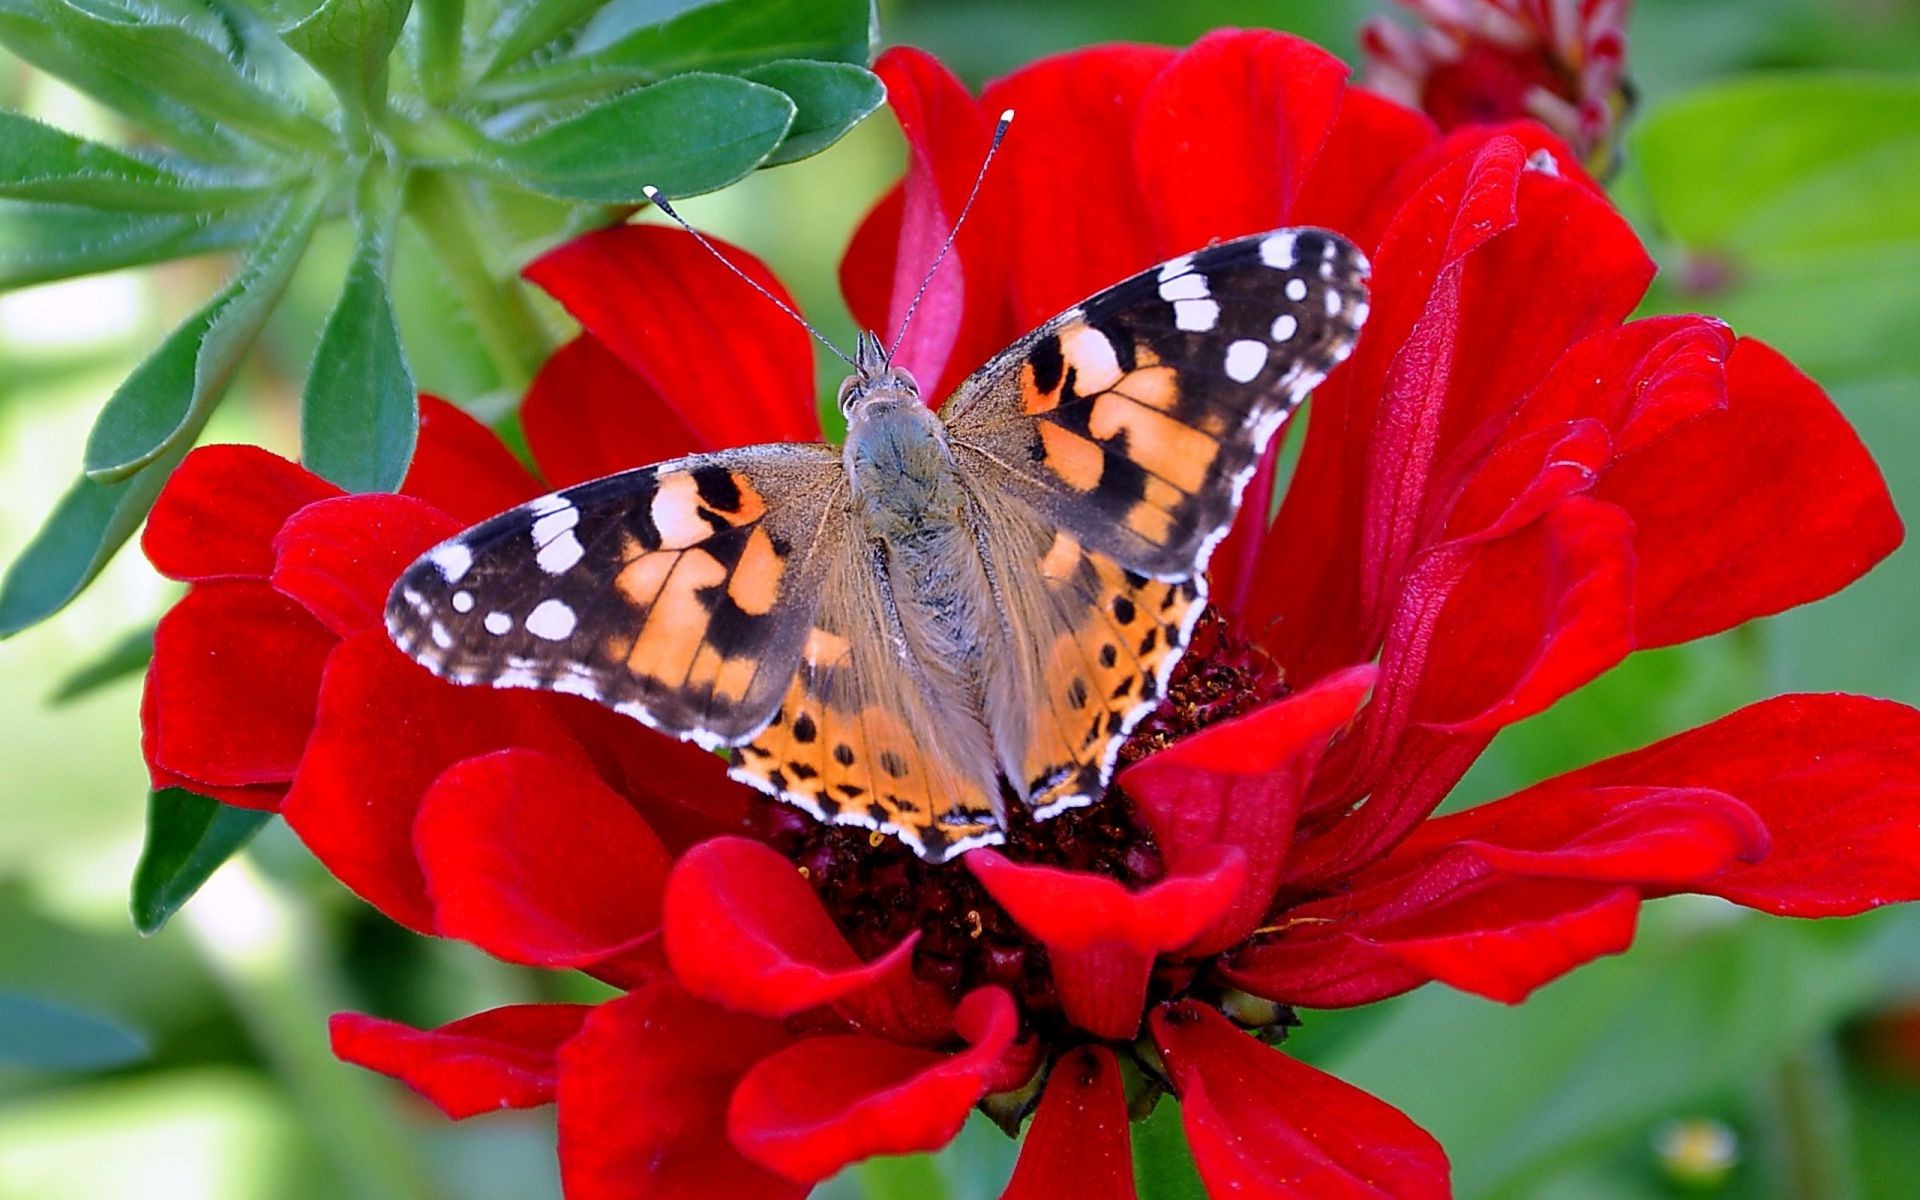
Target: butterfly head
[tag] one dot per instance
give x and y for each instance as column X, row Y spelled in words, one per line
column 876, row 384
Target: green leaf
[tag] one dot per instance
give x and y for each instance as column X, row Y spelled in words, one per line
column 524, row 27
column 188, row 837
column 1793, row 199
column 693, row 133
column 46, row 1036
column 28, row 33
column 831, row 98
column 1162, row 1165
column 360, row 413
column 169, row 394
column 39, row 162
column 728, row 35
column 144, row 46
column 438, row 49
column 42, row 242
column 349, row 42
column 86, row 526
column 128, row 656
column 903, row 1177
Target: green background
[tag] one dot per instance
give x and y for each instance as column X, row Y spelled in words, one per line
column 1778, row 142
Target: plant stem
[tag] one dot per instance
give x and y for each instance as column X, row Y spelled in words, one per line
column 1811, row 1147
column 515, row 338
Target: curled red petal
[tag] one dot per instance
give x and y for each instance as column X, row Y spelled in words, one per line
column 1077, row 1147
column 587, row 414
column 217, row 514
column 1353, row 184
column 339, row 557
column 643, row 1101
column 825, row 1102
column 743, row 929
column 692, row 330
column 383, row 732
column 1264, row 1126
column 533, row 859
column 1239, row 783
column 1262, row 100
column 232, row 688
column 1101, row 938
column 462, row 469
column 501, row 1058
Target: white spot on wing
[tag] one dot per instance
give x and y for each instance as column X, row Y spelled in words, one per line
column 497, row 623
column 1333, row 303
column 1244, row 360
column 463, row 602
column 1296, row 290
column 1284, row 327
column 1277, row 251
column 453, row 559
column 1184, row 287
column 552, row 620
column 1175, row 266
column 559, row 555
column 1196, row 316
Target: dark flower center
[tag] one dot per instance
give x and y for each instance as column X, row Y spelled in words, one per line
column 878, row 891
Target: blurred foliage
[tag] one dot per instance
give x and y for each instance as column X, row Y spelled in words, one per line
column 1768, row 169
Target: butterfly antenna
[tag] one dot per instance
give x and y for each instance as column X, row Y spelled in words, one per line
column 999, row 132
column 660, row 202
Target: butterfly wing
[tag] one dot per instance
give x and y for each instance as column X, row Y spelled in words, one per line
column 1109, row 449
column 680, row 594
column 1135, row 420
column 857, row 739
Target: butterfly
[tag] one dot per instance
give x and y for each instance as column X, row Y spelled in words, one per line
column 950, row 613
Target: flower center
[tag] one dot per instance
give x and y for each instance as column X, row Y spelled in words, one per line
column 878, row 891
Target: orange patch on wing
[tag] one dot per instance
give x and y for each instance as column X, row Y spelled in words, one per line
column 676, row 627
column 1173, row 450
column 1155, row 387
column 1153, row 524
column 1032, row 399
column 641, row 579
column 1077, row 462
column 825, row 648
column 755, row 585
column 1062, row 557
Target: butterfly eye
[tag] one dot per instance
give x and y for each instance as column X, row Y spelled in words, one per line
column 847, row 390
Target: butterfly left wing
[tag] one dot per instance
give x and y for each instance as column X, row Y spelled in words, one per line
column 679, row 594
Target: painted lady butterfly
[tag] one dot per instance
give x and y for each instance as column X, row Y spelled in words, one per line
column 949, row 614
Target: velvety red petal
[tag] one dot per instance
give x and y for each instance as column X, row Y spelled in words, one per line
column 1074, row 138
column 1349, row 183
column 1765, row 504
column 535, row 860
column 1260, row 100
column 643, row 1101
column 219, row 510
column 385, row 729
column 462, row 469
column 825, row 1102
column 230, row 693
column 723, row 360
column 682, row 790
column 501, row 1058
column 1100, row 937
column 962, row 316
column 1835, row 779
column 587, row 414
column 1239, row 784
column 1077, row 1147
column 339, row 557
column 1264, row 1126
column 743, row 929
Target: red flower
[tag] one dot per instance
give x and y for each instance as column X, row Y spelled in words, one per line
column 1559, row 62
column 1506, row 490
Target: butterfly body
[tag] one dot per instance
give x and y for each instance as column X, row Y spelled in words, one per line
column 952, row 612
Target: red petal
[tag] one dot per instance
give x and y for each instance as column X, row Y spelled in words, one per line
column 535, row 860
column 462, row 469
column 1101, row 938
column 588, row 415
column 823, row 1103
column 743, row 929
column 1077, row 1147
column 962, row 317
column 1267, row 1127
column 1075, row 138
column 723, row 361
column 217, row 514
column 682, row 790
column 1260, row 100
column 231, row 691
column 1239, row 784
column 643, row 1101
column 340, row 557
column 1351, row 183
column 384, row 731
column 502, row 1058
column 1768, row 503
column 1836, row 779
